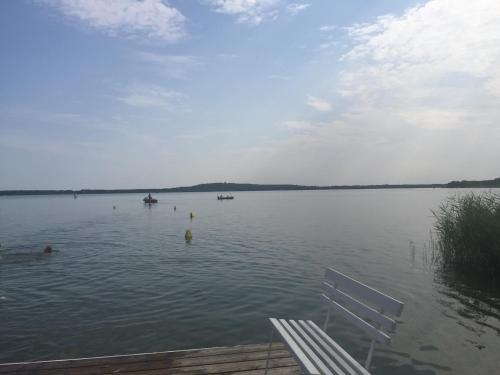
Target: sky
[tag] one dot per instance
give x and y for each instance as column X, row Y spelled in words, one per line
column 155, row 93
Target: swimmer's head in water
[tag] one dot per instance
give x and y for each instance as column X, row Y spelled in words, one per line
column 47, row 250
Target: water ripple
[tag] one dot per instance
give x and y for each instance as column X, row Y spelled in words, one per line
column 124, row 280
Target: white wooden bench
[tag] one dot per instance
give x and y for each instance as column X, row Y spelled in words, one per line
column 315, row 351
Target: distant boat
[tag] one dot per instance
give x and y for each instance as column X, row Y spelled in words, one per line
column 221, row 197
column 149, row 199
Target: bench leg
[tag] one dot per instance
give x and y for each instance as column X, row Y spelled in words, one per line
column 370, row 354
column 327, row 320
column 269, row 350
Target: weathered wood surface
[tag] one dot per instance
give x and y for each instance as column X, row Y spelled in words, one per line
column 241, row 360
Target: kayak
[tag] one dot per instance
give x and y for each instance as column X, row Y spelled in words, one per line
column 221, row 197
column 152, row 200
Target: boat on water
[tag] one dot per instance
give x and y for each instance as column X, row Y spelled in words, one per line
column 149, row 199
column 221, row 197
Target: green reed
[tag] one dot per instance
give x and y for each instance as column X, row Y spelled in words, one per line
column 468, row 233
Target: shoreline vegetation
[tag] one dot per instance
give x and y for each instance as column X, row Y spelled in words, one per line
column 468, row 235
column 226, row 186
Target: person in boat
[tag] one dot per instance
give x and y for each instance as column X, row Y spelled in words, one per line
column 149, row 196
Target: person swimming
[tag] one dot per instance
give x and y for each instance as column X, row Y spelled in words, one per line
column 47, row 250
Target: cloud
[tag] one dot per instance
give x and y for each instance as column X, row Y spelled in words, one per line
column 329, row 40
column 444, row 54
column 151, row 19
column 150, row 97
column 304, row 127
column 252, row 12
column 419, row 94
column 318, row 104
column 172, row 66
column 296, row 8
column 327, row 28
column 297, row 125
column 327, row 45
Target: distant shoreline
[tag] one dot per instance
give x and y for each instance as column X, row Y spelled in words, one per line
column 234, row 187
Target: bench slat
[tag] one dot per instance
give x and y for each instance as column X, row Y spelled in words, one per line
column 341, row 357
column 344, row 367
column 353, row 318
column 360, row 307
column 307, row 349
column 329, row 344
column 387, row 303
column 294, row 348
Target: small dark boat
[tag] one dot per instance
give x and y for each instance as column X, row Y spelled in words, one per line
column 149, row 199
column 221, row 197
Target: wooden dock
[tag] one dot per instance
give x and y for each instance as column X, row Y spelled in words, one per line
column 241, row 360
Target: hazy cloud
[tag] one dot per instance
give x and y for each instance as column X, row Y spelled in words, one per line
column 422, row 92
column 296, row 8
column 327, row 45
column 251, row 12
column 150, row 97
column 443, row 55
column 327, row 28
column 173, row 66
column 297, row 125
column 154, row 19
column 318, row 104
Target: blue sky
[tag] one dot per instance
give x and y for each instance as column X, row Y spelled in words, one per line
column 135, row 94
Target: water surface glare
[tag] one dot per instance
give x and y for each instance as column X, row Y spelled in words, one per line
column 125, row 281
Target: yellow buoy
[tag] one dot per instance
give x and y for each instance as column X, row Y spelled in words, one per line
column 188, row 236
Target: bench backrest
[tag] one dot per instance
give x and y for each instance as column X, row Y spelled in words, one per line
column 362, row 305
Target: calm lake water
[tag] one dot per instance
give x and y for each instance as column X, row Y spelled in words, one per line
column 124, row 280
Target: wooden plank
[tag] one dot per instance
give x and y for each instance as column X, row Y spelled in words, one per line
column 370, row 330
column 294, row 348
column 211, row 369
column 132, row 358
column 148, row 365
column 331, row 346
column 361, row 309
column 279, row 370
column 387, row 303
column 205, row 369
column 290, row 370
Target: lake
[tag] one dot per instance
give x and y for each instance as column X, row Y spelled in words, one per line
column 124, row 280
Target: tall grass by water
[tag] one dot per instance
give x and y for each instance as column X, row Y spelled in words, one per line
column 468, row 234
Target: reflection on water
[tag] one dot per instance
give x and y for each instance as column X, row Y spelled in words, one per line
column 476, row 305
column 472, row 300
column 123, row 279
